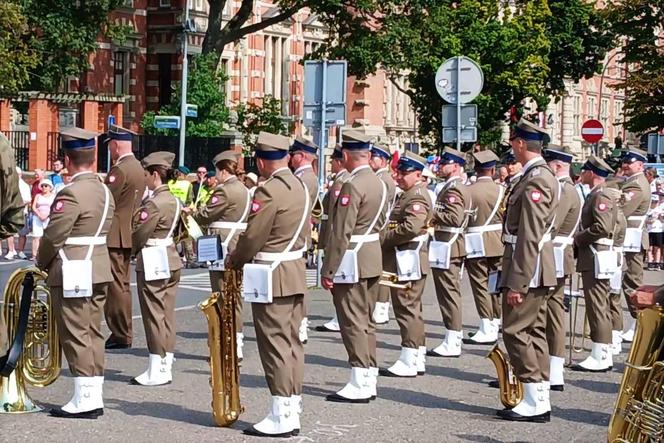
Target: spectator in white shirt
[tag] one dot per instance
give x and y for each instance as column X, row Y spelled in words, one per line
column 655, row 225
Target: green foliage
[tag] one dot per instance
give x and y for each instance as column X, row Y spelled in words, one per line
column 16, row 56
column 205, row 88
column 253, row 118
column 638, row 28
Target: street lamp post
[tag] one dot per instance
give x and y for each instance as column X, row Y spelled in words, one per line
column 185, row 73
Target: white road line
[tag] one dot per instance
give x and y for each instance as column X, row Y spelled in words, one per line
column 182, row 308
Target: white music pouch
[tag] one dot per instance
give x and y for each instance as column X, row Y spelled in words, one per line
column 348, row 271
column 606, row 264
column 76, row 278
column 474, row 245
column 633, row 238
column 559, row 260
column 408, row 264
column 615, row 283
column 155, row 263
column 439, row 254
column 257, row 283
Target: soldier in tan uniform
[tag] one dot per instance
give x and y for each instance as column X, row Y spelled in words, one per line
column 405, row 243
column 636, row 190
column 598, row 220
column 612, row 188
column 568, row 216
column 226, row 215
column 11, row 213
column 352, row 266
column 276, row 238
column 73, row 251
column 158, row 268
column 528, row 273
column 514, row 170
column 380, row 163
column 329, row 205
column 302, row 153
column 126, row 180
column 451, row 213
column 483, row 245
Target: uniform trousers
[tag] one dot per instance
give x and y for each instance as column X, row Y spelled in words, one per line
column 448, row 291
column 555, row 319
column 117, row 309
column 488, row 306
column 79, row 327
column 407, row 303
column 596, row 295
column 354, row 304
column 277, row 327
column 157, row 300
column 632, row 276
column 616, row 312
column 383, row 294
column 217, row 283
column 524, row 334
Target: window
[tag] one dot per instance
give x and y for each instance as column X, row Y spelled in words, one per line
column 618, row 116
column 577, row 115
column 604, row 113
column 277, row 69
column 121, row 72
column 164, row 79
column 164, row 3
column 592, row 107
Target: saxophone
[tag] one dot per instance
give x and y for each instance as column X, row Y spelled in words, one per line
column 638, row 415
column 511, row 389
column 224, row 366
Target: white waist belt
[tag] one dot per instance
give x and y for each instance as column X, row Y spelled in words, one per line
column 450, row 230
column 324, row 217
column 636, row 218
column 511, row 239
column 421, row 238
column 159, row 241
column 279, row 256
column 563, row 240
column 604, row 242
column 365, row 238
column 486, row 228
column 86, row 241
column 228, row 225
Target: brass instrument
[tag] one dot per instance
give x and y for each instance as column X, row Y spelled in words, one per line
column 39, row 362
column 317, row 208
column 639, row 411
column 189, row 227
column 392, row 280
column 224, row 365
column 511, row 389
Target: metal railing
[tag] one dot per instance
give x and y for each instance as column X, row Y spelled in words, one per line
column 19, row 141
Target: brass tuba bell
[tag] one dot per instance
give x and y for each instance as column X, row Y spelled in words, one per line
column 39, row 352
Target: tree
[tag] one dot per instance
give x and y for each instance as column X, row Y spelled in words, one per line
column 17, row 57
column 638, row 28
column 254, row 118
column 205, row 88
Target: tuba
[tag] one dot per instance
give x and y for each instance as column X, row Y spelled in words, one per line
column 638, row 415
column 511, row 389
column 35, row 354
column 224, row 365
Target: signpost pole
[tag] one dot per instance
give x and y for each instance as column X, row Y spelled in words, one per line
column 185, row 72
column 322, row 144
column 458, row 103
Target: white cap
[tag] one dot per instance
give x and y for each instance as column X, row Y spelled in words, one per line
column 46, row 181
column 253, row 177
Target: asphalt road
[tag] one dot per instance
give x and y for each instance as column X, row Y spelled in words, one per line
column 451, row 403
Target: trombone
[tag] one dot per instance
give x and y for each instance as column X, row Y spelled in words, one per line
column 573, row 297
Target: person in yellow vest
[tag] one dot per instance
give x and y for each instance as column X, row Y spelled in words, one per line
column 182, row 189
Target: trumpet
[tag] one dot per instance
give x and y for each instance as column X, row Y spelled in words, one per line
column 392, row 280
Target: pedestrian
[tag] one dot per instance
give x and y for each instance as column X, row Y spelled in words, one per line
column 57, row 176
column 655, row 224
column 198, row 185
column 24, row 189
column 41, row 208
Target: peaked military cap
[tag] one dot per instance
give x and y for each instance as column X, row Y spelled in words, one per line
column 555, row 152
column 485, row 159
column 633, row 155
column 159, row 158
column 453, row 156
column 597, row 166
column 302, row 144
column 411, row 162
column 380, row 150
column 119, row 133
column 508, row 158
column 356, row 141
column 337, row 153
column 529, row 131
column 272, row 146
column 74, row 138
column 226, row 155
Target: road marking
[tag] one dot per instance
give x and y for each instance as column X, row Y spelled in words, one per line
column 182, row 308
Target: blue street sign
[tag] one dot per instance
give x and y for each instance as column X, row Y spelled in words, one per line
column 167, row 122
column 192, row 110
column 111, row 120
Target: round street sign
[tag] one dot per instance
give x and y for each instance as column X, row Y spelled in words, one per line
column 470, row 80
column 592, row 131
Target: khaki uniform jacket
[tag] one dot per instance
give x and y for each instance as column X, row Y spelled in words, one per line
column 484, row 194
column 598, row 220
column 621, row 222
column 126, row 180
column 309, row 178
column 409, row 219
column 329, row 204
column 228, row 202
column 358, row 204
column 154, row 220
column 385, row 175
column 77, row 212
column 531, row 208
column 11, row 203
column 450, row 210
column 276, row 212
column 637, row 202
column 567, row 215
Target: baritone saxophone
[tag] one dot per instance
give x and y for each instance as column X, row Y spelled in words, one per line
column 224, row 365
column 511, row 389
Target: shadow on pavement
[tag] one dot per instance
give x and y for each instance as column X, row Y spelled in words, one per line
column 595, row 386
column 581, row 416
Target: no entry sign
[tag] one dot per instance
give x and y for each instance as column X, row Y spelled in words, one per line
column 592, row 131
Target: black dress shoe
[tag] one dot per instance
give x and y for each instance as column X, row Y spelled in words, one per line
column 431, row 353
column 322, row 328
column 339, row 399
column 421, row 372
column 579, row 368
column 135, row 382
column 93, row 414
column 469, row 341
column 509, row 414
column 559, row 388
column 256, row 433
column 115, row 345
column 494, row 384
column 385, row 373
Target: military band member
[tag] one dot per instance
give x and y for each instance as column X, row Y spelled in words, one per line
column 353, row 255
column 73, row 251
column 407, row 231
column 598, row 220
column 636, row 190
column 568, row 216
column 340, row 174
column 451, row 213
column 126, row 180
column 615, row 294
column 483, row 245
column 225, row 214
column 158, row 268
column 514, row 169
column 528, row 271
column 11, row 212
column 302, row 153
column 380, row 163
column 276, row 235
